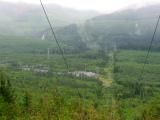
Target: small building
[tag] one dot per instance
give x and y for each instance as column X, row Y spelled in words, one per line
column 84, row 74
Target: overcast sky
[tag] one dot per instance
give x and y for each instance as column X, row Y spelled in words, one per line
column 98, row 5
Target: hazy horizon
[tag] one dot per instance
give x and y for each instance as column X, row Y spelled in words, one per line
column 103, row 6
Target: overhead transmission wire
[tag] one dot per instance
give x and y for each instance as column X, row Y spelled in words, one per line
column 54, row 36
column 141, row 77
column 57, row 42
column 149, row 49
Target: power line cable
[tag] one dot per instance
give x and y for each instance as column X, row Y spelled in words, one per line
column 149, row 49
column 54, row 35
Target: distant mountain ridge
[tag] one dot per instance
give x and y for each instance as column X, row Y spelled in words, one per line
column 25, row 19
column 130, row 28
column 146, row 11
column 125, row 29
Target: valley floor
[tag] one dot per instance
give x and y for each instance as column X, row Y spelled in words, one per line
column 114, row 95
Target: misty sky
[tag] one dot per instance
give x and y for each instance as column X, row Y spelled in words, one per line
column 98, row 5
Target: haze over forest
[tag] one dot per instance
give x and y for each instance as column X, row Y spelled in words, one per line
column 127, row 25
column 100, row 63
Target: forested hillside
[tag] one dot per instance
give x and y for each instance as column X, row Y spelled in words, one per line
column 129, row 29
column 126, row 29
column 28, row 19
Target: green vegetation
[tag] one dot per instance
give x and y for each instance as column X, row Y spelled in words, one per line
column 105, row 56
column 51, row 95
column 27, row 94
column 137, row 96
